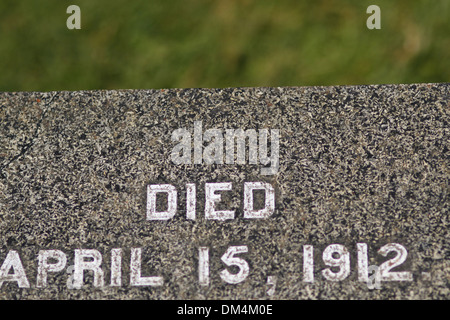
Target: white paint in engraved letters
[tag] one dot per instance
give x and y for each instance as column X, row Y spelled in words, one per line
column 308, row 263
column 116, row 267
column 12, row 261
column 203, row 266
column 135, row 268
column 343, row 262
column 190, row 201
column 362, row 256
column 385, row 273
column 94, row 265
column 230, row 260
column 70, row 270
column 269, row 206
column 212, row 198
column 44, row 267
column 152, row 190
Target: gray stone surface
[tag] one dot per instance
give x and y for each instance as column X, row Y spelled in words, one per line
column 358, row 164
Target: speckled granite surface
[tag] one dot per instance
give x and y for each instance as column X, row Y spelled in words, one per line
column 358, row 164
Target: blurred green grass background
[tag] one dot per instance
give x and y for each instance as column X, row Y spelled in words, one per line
column 220, row 43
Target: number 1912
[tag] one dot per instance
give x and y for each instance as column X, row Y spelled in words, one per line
column 337, row 258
